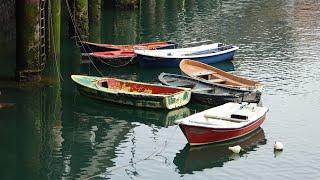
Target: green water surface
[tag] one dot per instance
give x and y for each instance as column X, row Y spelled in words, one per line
column 52, row 132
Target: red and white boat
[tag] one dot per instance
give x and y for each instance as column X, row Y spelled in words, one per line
column 222, row 123
column 118, row 55
column 88, row 47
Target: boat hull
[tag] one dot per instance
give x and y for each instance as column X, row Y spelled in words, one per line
column 149, row 61
column 213, row 99
column 134, row 99
column 212, row 74
column 204, row 135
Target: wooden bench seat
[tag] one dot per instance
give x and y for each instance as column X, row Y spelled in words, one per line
column 203, row 73
column 217, row 80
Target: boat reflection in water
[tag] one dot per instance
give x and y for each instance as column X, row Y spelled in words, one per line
column 197, row 158
column 147, row 116
column 101, row 128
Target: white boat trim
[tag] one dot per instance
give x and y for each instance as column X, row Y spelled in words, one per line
column 185, row 53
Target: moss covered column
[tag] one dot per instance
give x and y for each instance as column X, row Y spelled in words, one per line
column 95, row 20
column 79, row 11
column 56, row 24
column 126, row 4
column 28, row 63
column 52, row 70
column 122, row 4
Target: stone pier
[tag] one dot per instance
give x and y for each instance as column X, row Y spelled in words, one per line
column 28, row 63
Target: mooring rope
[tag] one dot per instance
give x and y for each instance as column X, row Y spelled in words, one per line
column 78, row 36
column 152, row 154
column 82, row 45
column 122, row 65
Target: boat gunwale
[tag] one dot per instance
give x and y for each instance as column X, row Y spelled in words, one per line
column 216, row 84
column 145, row 53
column 113, row 56
column 128, row 46
column 162, row 75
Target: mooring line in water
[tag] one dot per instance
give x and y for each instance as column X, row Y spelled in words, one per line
column 123, row 166
column 78, row 36
column 154, row 153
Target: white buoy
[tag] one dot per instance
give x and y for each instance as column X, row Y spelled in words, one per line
column 278, row 146
column 235, row 149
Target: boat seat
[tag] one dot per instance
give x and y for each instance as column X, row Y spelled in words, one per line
column 203, row 73
column 217, row 80
column 238, row 116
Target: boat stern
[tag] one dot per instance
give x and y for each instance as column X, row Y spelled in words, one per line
column 177, row 100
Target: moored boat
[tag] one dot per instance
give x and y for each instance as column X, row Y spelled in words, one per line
column 222, row 123
column 208, row 93
column 132, row 93
column 89, row 47
column 210, row 53
column 202, row 92
column 211, row 74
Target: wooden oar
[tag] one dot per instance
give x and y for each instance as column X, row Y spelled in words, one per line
column 224, row 118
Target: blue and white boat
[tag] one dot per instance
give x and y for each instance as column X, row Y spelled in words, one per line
column 210, row 53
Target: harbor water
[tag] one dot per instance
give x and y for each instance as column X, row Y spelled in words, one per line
column 50, row 131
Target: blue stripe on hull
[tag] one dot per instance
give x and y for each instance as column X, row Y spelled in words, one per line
column 148, row 61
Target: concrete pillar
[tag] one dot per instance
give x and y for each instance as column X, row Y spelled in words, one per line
column 28, row 63
column 122, row 4
column 126, row 4
column 79, row 11
column 125, row 27
column 56, row 24
column 95, row 20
